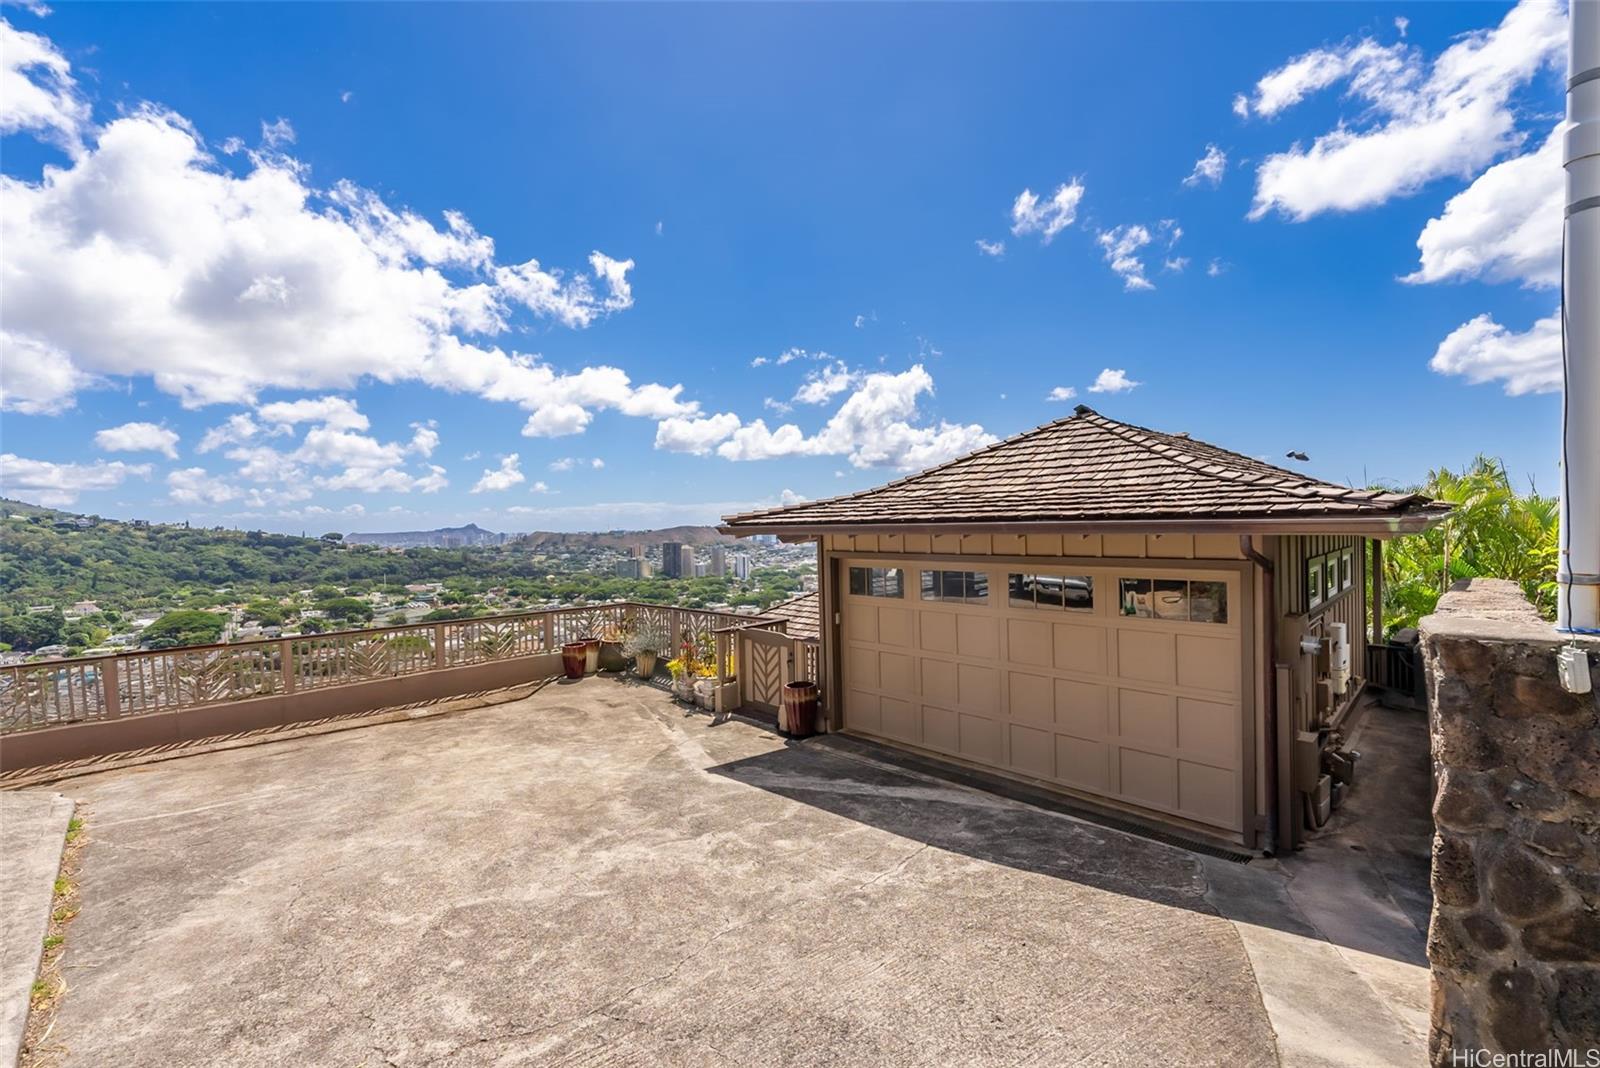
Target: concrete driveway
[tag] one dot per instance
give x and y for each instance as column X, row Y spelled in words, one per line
column 594, row 876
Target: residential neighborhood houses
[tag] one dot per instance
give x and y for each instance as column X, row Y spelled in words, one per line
column 535, row 576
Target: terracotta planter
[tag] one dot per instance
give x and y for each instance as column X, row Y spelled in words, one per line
column 798, row 714
column 611, row 658
column 644, row 663
column 572, row 659
column 591, row 655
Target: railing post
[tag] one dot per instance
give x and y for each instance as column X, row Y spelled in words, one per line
column 720, row 647
column 439, row 658
column 549, row 631
column 286, row 665
column 110, row 688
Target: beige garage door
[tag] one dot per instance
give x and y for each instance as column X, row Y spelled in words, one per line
column 1122, row 683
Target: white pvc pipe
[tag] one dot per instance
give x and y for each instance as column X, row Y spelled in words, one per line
column 1578, row 578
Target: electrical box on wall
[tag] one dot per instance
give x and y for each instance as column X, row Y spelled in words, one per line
column 1572, row 664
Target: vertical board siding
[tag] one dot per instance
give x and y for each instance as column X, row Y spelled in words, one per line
column 1297, row 618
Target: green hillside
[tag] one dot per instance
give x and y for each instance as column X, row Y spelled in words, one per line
column 57, row 559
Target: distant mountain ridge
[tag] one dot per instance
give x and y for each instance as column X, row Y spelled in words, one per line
column 440, row 538
column 621, row 539
column 474, row 535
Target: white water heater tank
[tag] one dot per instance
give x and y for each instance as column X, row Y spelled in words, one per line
column 1339, row 656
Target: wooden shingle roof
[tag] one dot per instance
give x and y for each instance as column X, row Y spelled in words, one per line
column 802, row 613
column 1088, row 471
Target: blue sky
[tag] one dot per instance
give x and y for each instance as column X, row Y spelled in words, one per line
column 332, row 267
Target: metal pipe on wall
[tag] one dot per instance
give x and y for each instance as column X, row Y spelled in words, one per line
column 1578, row 574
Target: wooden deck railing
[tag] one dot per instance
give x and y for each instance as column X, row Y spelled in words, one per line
column 60, row 692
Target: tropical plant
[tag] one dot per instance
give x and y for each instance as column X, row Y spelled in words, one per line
column 645, row 638
column 1492, row 532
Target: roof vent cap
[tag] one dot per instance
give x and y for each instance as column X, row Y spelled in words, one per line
column 1084, row 409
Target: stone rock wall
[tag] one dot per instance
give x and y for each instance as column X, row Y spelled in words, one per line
column 1514, row 941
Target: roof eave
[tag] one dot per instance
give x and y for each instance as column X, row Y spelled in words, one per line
column 1376, row 526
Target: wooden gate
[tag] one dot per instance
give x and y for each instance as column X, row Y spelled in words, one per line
column 764, row 667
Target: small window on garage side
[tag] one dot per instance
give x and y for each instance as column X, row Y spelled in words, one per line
column 1330, row 578
column 1179, row 600
column 1051, row 591
column 877, row 582
column 1314, row 582
column 964, row 587
column 1347, row 570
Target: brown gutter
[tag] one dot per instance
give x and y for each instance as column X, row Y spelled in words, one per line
column 1270, row 712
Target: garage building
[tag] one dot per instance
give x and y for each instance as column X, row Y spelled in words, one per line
column 1137, row 619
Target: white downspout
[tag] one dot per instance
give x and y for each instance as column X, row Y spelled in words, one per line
column 1578, row 571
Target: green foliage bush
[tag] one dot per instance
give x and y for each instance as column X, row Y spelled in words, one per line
column 1493, row 532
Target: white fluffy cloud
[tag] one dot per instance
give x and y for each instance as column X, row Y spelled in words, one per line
column 37, row 90
column 1505, row 226
column 990, row 248
column 695, row 435
column 1047, row 218
column 432, row 482
column 236, row 430
column 789, row 355
column 335, row 453
column 495, row 479
column 145, row 257
column 424, row 438
column 54, row 485
column 567, row 463
column 1482, row 350
column 194, row 485
column 825, row 383
column 36, row 378
column 875, row 427
column 138, row 437
column 1208, row 169
column 1062, row 393
column 340, row 413
column 1420, row 121
column 1113, row 380
column 1123, row 247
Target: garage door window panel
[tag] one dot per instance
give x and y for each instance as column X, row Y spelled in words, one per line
column 1172, row 599
column 877, row 582
column 959, row 587
column 1050, row 592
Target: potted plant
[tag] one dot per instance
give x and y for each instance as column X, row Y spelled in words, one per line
column 685, row 668
column 612, row 636
column 645, row 645
column 682, row 679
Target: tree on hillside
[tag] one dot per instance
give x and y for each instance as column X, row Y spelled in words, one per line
column 32, row 631
column 184, row 627
column 346, row 609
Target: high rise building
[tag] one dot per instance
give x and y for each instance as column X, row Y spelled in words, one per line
column 740, row 565
column 719, row 561
column 633, row 567
column 671, row 559
column 686, row 561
